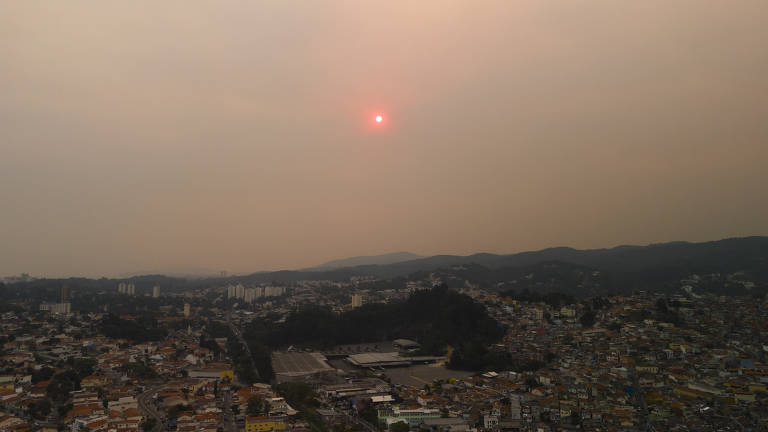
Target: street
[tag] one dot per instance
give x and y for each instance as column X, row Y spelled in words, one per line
column 147, row 407
column 239, row 336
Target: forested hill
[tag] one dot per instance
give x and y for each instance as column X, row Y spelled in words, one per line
column 440, row 319
column 621, row 269
column 435, row 318
column 578, row 272
column 726, row 255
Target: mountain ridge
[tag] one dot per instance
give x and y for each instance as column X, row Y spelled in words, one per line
column 624, row 268
column 381, row 259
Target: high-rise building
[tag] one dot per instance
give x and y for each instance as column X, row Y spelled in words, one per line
column 56, row 308
column 156, row 291
column 357, row 300
column 250, row 295
column 187, row 310
column 239, row 291
column 65, row 293
column 126, row 288
column 273, row 291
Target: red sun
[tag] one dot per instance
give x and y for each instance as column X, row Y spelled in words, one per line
column 379, row 118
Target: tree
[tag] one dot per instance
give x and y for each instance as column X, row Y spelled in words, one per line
column 64, row 409
column 545, row 417
column 369, row 414
column 44, row 374
column 61, row 385
column 148, row 424
column 40, row 410
column 575, row 418
column 588, row 319
column 401, row 426
column 256, row 406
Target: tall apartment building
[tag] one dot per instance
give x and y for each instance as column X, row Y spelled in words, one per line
column 56, row 308
column 66, row 293
column 357, row 300
column 250, row 295
column 126, row 288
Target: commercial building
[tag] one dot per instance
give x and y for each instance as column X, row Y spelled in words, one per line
column 389, row 359
column 213, row 373
column 263, row 424
column 56, row 308
column 414, row 417
column 293, row 366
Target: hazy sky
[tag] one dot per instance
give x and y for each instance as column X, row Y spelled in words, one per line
column 238, row 135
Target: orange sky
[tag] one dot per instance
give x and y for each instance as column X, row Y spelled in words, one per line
column 233, row 135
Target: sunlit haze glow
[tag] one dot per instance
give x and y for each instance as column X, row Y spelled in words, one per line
column 179, row 136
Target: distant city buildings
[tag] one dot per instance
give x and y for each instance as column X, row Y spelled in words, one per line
column 679, row 360
column 249, row 295
column 126, row 288
column 156, row 291
column 357, row 300
column 56, row 308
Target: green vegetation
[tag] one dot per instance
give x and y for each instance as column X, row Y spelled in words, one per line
column 176, row 410
column 137, row 332
column 210, row 344
column 64, row 409
column 240, row 361
column 40, row 410
column 140, row 370
column 301, row 397
column 64, row 382
column 148, row 424
column 43, row 374
column 475, row 356
column 401, row 426
column 435, row 318
column 257, row 406
column 587, row 319
column 369, row 414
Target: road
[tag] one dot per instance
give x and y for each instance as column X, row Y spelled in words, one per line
column 147, row 407
column 640, row 403
column 229, row 417
column 239, row 336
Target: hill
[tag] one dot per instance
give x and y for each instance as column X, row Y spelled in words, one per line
column 620, row 269
column 384, row 259
column 576, row 272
